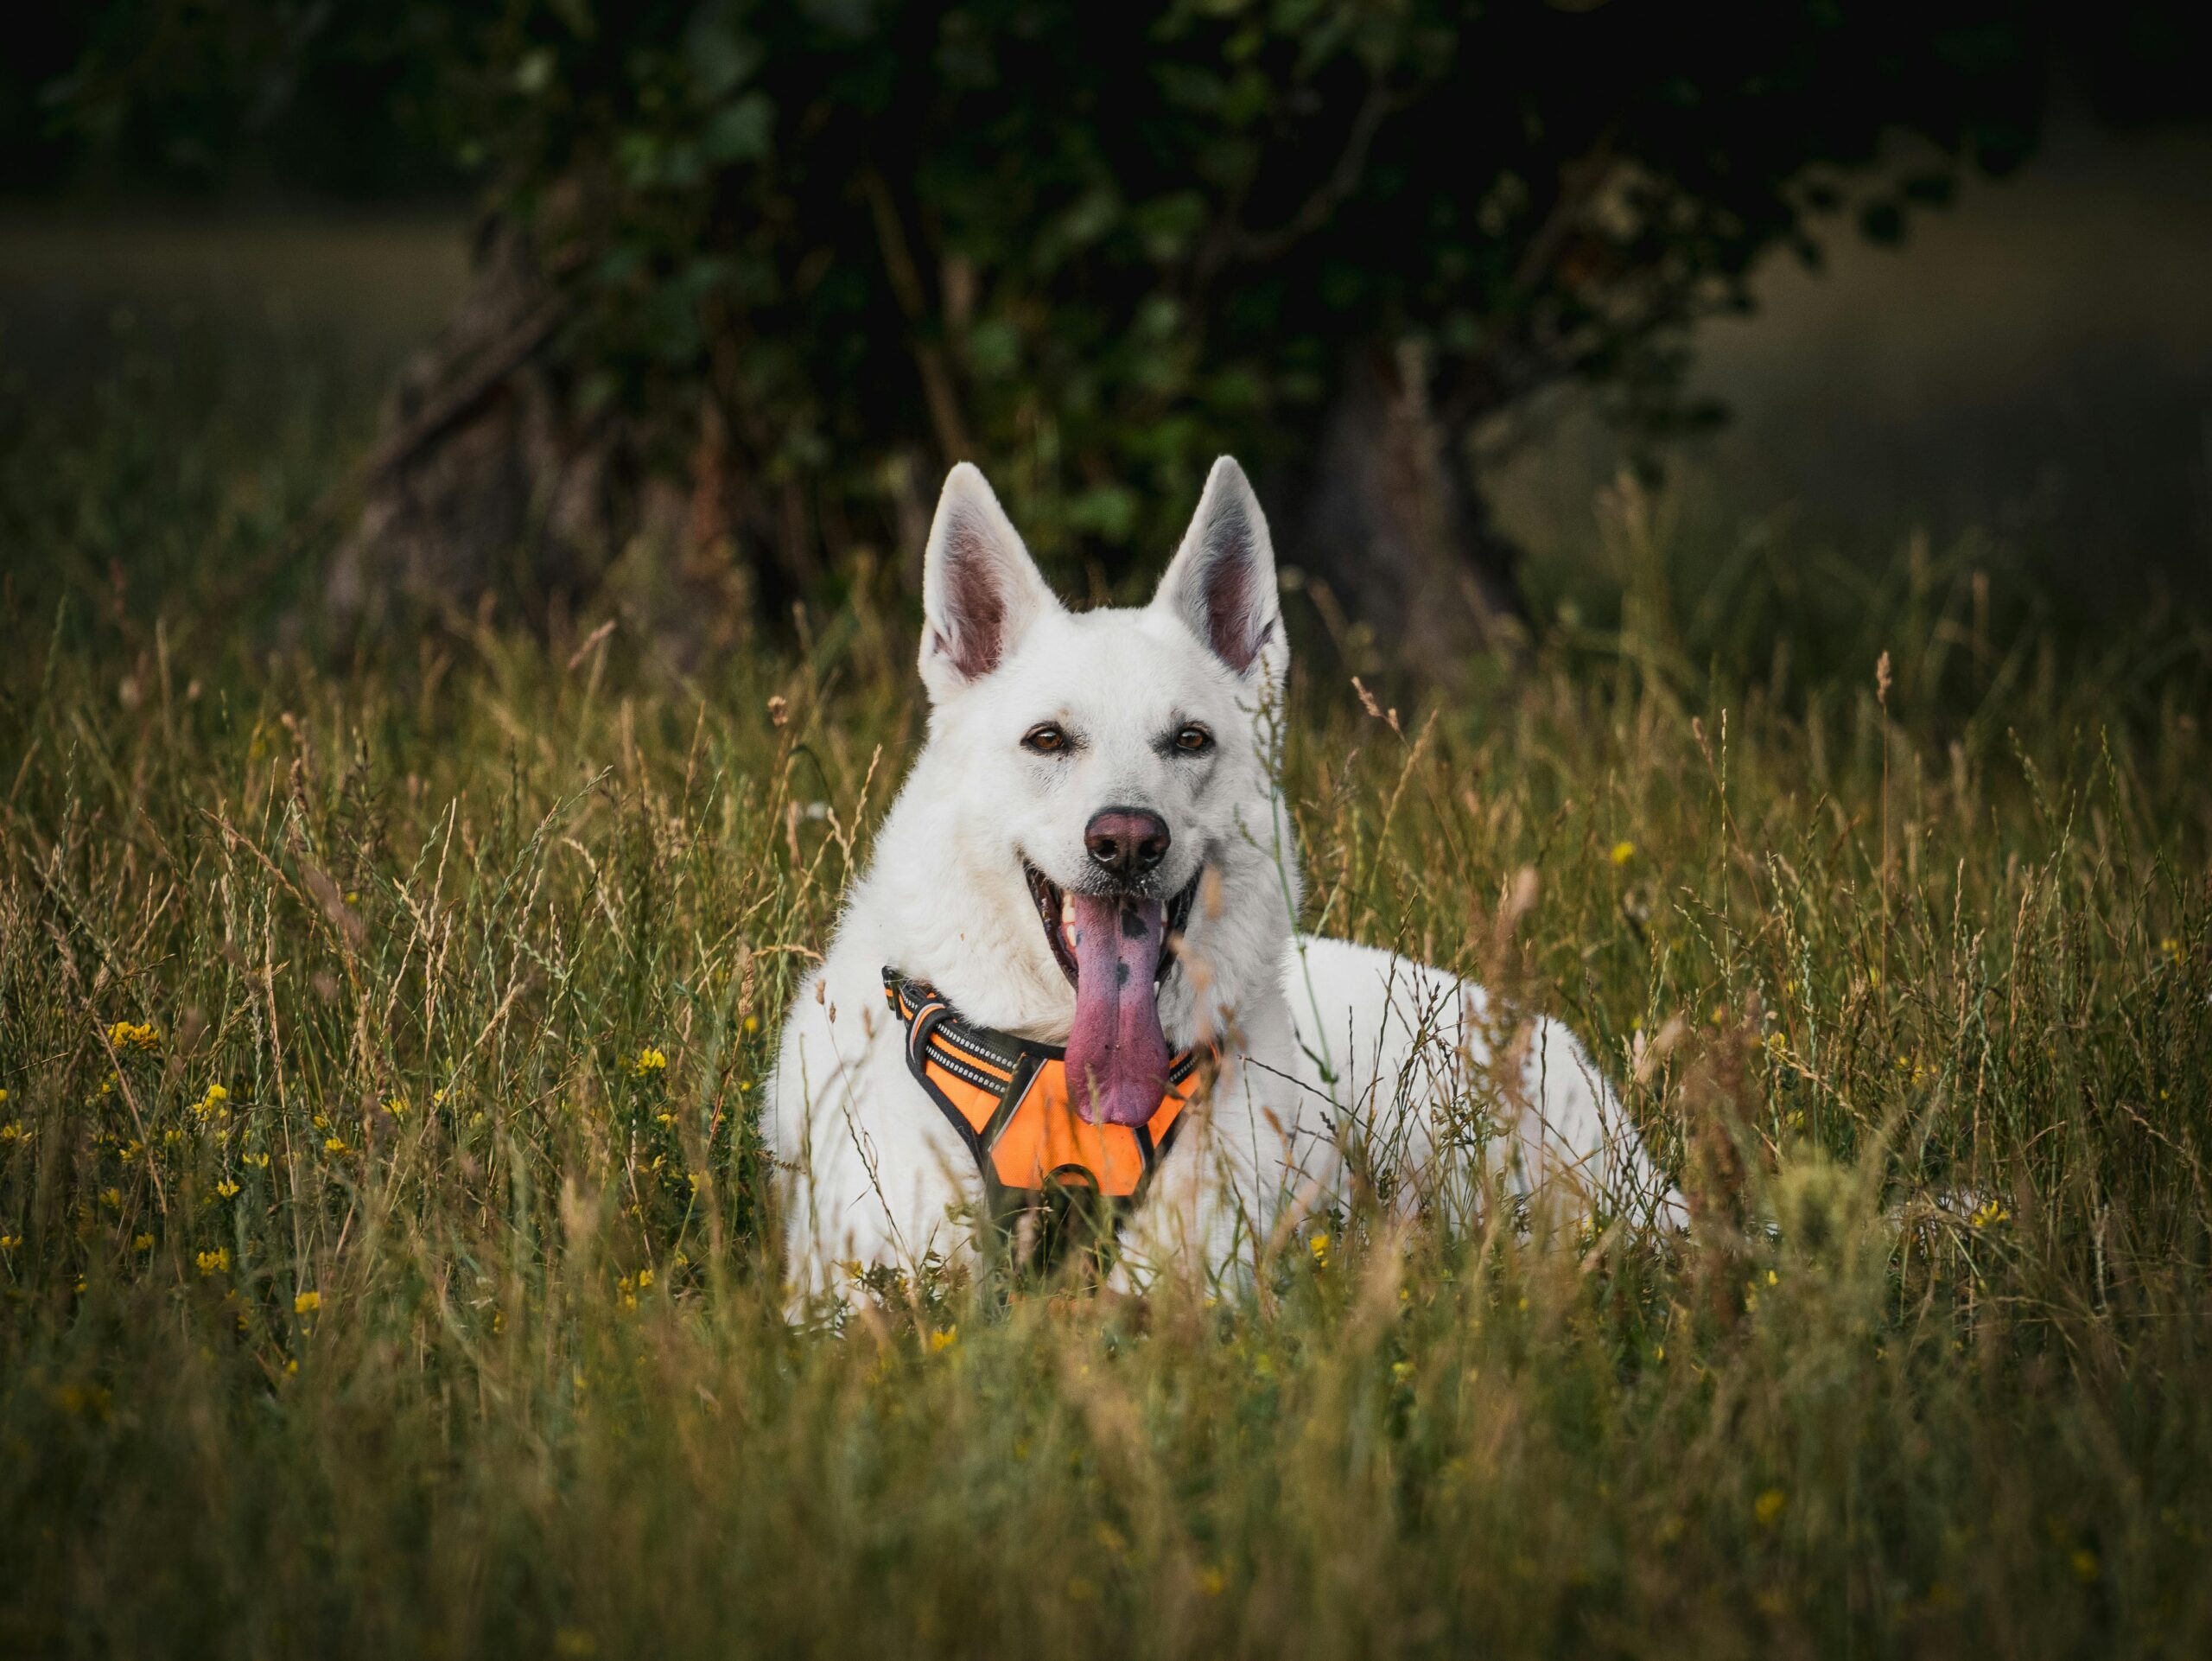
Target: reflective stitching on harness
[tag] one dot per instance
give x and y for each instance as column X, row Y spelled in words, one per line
column 960, row 1070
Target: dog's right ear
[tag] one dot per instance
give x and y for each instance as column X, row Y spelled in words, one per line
column 981, row 591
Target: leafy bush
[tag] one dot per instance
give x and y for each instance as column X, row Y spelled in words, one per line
column 1102, row 244
column 811, row 253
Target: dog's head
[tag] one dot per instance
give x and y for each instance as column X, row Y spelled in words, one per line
column 1111, row 770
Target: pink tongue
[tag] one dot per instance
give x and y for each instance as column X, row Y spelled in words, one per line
column 1117, row 1055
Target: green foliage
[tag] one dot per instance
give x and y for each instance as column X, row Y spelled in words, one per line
column 1100, row 243
column 1106, row 242
column 420, row 1336
column 180, row 96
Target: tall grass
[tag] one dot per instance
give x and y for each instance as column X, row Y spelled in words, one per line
column 382, row 1216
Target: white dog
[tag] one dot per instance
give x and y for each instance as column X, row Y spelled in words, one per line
column 1071, row 963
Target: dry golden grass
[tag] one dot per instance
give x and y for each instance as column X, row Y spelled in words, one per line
column 381, row 1255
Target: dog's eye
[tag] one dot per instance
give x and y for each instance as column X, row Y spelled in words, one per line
column 1193, row 740
column 1045, row 739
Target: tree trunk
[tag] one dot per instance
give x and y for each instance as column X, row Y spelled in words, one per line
column 488, row 480
column 468, row 471
column 1392, row 525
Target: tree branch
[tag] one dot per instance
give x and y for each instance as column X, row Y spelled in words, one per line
column 1263, row 245
column 505, row 355
column 938, row 388
column 1580, row 181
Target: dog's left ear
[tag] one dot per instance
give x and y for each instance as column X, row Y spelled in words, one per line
column 1222, row 581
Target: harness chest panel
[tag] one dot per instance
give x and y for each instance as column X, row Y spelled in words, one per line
column 1009, row 1100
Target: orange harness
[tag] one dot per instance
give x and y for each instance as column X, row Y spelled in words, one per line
column 1008, row 1099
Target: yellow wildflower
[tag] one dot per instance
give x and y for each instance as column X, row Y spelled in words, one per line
column 259, row 1162
column 227, row 1189
column 649, row 1061
column 216, row 1262
column 133, row 1035
column 944, row 1339
column 334, row 1145
column 9, row 1242
column 111, row 1198
column 397, row 1107
column 307, row 1304
column 142, row 1243
column 1988, row 1214
column 645, row 1278
column 1623, row 852
column 1319, row 1247
column 751, row 1025
column 12, row 1131
column 1769, row 1507
column 84, row 1401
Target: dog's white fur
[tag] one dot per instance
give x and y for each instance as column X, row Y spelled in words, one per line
column 1320, row 1037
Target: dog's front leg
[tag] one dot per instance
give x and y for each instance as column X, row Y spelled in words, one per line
column 872, row 1176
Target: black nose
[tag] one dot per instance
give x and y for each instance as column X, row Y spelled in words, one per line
column 1126, row 841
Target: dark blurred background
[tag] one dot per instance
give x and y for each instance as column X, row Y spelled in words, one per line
column 677, row 311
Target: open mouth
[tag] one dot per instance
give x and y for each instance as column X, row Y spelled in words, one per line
column 1056, row 910
column 1115, row 949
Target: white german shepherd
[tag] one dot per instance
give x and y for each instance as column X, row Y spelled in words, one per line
column 1089, row 871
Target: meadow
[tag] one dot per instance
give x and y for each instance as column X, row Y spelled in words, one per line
column 383, row 1262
